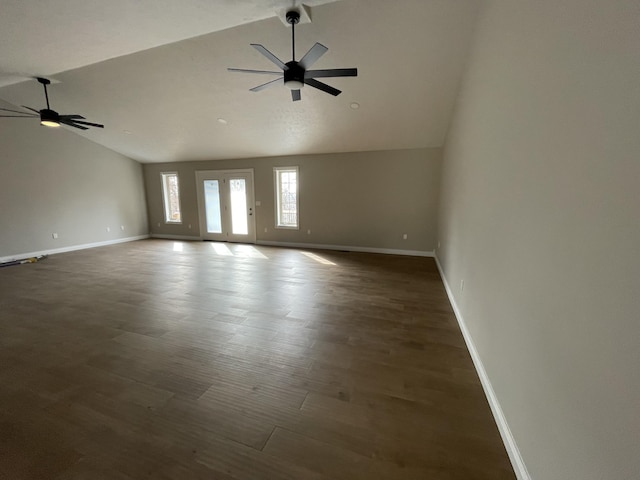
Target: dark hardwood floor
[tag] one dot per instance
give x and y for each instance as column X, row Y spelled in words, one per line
column 195, row 360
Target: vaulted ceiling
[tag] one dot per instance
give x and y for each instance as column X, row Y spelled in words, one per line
column 155, row 73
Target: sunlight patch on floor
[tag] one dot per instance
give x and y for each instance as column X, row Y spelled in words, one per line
column 248, row 251
column 317, row 258
column 222, row 250
column 237, row 250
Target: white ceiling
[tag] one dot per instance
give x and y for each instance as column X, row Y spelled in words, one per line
column 154, row 72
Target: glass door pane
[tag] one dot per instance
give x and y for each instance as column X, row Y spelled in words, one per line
column 212, row 206
column 239, row 219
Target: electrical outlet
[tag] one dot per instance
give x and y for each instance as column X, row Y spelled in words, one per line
column 108, row 229
column 158, row 223
column 54, row 235
column 258, row 203
column 189, row 226
column 265, row 229
column 462, row 285
column 438, row 244
column 405, row 236
column 122, row 227
column 309, row 232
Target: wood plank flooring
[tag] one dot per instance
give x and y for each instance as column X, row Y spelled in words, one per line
column 195, row 360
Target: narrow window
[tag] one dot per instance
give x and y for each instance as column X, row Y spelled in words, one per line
column 171, row 197
column 287, row 207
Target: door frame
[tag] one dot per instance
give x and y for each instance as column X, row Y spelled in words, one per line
column 202, row 175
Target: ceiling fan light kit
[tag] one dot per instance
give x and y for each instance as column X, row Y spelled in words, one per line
column 296, row 74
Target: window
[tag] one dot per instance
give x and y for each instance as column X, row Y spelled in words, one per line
column 286, row 179
column 171, row 197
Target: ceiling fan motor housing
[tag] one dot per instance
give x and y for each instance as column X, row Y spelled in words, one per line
column 49, row 118
column 294, row 75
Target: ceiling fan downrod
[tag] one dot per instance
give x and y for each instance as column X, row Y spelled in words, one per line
column 45, row 82
column 293, row 18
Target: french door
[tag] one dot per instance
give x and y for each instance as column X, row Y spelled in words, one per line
column 226, row 205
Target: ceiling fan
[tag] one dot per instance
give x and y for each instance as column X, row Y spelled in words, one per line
column 296, row 74
column 51, row 118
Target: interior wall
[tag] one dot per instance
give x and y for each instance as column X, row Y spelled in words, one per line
column 54, row 181
column 363, row 199
column 540, row 217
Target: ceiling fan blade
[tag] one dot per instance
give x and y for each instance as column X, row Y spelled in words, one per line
column 334, row 72
column 266, row 85
column 295, row 95
column 270, row 56
column 73, row 117
column 18, row 111
column 72, row 124
column 32, row 109
column 312, row 55
column 322, row 86
column 261, row 72
column 78, row 122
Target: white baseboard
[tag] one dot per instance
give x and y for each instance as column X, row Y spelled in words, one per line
column 513, row 451
column 174, row 237
column 315, row 246
column 70, row 248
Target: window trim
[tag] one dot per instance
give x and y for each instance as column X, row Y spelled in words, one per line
column 165, row 199
column 276, row 178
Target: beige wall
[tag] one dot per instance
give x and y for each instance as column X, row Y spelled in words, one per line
column 365, row 199
column 54, row 181
column 540, row 216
